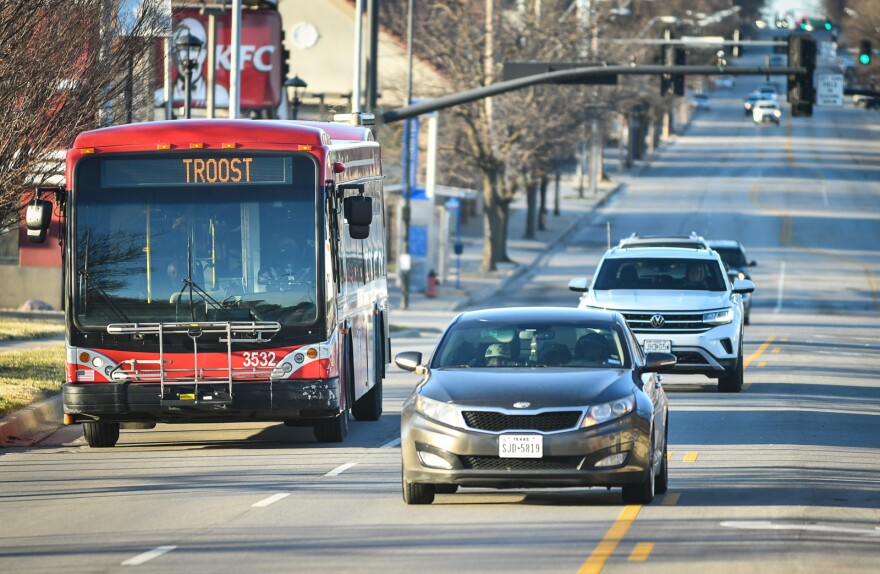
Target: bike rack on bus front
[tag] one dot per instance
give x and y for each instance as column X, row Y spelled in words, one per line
column 195, row 375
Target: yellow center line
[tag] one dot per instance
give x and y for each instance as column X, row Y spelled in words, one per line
column 641, row 552
column 609, row 542
column 751, row 358
column 763, row 347
column 691, row 457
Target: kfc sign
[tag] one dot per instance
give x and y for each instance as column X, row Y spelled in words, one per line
column 260, row 60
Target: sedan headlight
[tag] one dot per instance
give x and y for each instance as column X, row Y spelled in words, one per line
column 440, row 412
column 598, row 414
column 722, row 317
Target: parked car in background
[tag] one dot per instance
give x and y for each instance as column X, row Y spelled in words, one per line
column 766, row 111
column 738, row 267
column 535, row 397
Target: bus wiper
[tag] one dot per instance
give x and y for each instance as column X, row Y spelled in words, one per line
column 107, row 299
column 194, row 287
column 84, row 274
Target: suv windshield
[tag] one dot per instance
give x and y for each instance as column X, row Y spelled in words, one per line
column 660, row 273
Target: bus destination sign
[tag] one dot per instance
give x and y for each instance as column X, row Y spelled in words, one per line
column 134, row 171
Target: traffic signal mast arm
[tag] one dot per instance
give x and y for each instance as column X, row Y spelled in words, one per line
column 568, row 77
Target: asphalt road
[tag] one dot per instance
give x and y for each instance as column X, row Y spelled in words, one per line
column 783, row 477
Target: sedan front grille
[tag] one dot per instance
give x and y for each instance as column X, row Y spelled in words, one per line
column 510, row 464
column 672, row 322
column 492, row 421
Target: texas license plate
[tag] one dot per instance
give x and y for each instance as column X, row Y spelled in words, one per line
column 657, row 346
column 521, row 446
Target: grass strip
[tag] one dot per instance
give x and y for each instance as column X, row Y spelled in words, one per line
column 28, row 376
column 15, row 330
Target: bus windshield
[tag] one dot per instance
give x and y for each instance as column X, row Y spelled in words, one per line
column 195, row 237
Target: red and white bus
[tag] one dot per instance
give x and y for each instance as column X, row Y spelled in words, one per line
column 222, row 270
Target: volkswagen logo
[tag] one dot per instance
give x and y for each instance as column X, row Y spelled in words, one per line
column 657, row 321
column 522, row 405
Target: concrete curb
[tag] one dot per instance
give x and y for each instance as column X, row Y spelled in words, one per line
column 523, row 270
column 31, row 424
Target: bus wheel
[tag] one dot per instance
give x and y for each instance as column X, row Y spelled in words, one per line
column 332, row 430
column 101, row 435
column 369, row 406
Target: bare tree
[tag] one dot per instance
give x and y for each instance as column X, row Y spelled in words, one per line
column 63, row 65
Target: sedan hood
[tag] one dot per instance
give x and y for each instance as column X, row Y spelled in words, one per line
column 656, row 300
column 540, row 387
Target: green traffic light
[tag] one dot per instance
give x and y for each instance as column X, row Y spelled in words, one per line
column 827, row 25
column 864, row 59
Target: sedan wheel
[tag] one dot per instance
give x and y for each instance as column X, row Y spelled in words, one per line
column 417, row 493
column 661, row 485
column 642, row 492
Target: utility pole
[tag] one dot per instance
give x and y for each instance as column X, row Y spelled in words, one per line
column 235, row 70
column 403, row 258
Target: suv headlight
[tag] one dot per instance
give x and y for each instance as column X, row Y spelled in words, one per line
column 598, row 414
column 440, row 412
column 722, row 317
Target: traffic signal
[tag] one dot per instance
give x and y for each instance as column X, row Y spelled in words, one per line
column 667, row 56
column 801, row 92
column 828, row 25
column 672, row 56
column 865, row 52
column 678, row 79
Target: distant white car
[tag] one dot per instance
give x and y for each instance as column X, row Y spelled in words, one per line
column 766, row 111
column 725, row 82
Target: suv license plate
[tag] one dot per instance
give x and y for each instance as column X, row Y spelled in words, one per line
column 654, row 345
column 521, row 446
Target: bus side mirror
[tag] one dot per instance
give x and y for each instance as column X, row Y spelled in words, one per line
column 37, row 219
column 359, row 214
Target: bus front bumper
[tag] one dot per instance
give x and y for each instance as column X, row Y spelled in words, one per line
column 268, row 401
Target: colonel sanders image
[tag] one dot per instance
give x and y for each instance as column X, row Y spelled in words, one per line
column 199, row 81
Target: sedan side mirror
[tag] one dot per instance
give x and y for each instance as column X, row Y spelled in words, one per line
column 410, row 361
column 659, row 362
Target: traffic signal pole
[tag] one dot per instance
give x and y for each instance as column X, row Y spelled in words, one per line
column 571, row 76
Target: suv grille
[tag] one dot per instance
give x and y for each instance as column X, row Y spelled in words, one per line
column 497, row 463
column 544, row 422
column 673, row 322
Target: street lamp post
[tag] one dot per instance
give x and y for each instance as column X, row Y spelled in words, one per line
column 189, row 49
column 295, row 86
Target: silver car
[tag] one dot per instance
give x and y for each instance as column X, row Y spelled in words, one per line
column 535, row 397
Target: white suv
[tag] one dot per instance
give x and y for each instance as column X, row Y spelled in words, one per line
column 675, row 300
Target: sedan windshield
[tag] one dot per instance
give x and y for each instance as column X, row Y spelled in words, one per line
column 534, row 344
column 661, row 273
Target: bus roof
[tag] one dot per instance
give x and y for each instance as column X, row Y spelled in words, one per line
column 214, row 133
